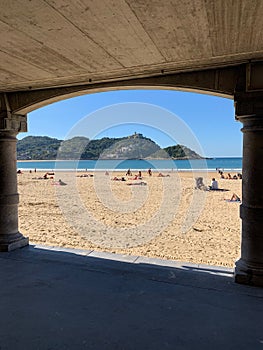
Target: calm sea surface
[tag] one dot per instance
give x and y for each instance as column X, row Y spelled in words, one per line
column 233, row 164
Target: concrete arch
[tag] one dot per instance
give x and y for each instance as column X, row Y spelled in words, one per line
column 219, row 82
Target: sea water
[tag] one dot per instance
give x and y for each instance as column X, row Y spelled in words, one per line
column 226, row 164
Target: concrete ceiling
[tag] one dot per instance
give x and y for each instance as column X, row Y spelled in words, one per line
column 46, row 43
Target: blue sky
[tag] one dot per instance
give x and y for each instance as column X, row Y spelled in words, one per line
column 167, row 117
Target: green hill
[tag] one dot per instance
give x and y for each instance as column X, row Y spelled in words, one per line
column 181, row 152
column 132, row 147
column 135, row 146
column 37, row 147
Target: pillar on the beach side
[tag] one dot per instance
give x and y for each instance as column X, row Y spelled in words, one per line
column 10, row 126
column 249, row 111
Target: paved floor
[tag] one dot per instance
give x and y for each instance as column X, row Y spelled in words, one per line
column 85, row 300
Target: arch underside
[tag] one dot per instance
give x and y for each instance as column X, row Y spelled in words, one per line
column 219, row 82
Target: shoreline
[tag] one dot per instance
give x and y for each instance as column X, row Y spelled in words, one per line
column 196, row 165
column 132, row 170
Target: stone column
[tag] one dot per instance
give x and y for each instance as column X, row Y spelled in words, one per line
column 249, row 111
column 10, row 237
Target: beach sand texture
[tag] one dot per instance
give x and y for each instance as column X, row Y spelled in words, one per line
column 155, row 220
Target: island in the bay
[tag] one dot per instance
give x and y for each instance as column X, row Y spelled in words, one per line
column 135, row 146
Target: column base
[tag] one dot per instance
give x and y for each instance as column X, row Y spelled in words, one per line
column 250, row 274
column 14, row 243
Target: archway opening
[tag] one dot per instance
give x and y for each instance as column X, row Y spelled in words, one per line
column 215, row 236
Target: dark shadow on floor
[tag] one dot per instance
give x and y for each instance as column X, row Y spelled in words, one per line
column 59, row 300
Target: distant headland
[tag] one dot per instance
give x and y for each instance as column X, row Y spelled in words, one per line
column 135, row 146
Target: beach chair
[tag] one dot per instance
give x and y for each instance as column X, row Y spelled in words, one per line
column 199, row 185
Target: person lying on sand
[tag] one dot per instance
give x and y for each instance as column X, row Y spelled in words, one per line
column 141, row 183
column 44, row 177
column 83, row 175
column 137, row 176
column 162, row 175
column 118, row 179
column 234, row 198
column 59, row 183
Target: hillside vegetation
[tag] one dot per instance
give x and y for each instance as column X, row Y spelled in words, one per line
column 135, row 146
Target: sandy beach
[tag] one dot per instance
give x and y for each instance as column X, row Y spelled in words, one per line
column 165, row 218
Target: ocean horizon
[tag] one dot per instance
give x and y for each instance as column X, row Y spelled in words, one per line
column 226, row 164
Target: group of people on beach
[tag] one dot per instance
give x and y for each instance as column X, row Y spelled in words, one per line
column 47, row 176
column 129, row 172
column 214, row 187
column 19, row 171
column 137, row 176
column 229, row 176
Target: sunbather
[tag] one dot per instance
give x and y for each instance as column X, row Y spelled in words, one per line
column 234, row 198
column 142, row 183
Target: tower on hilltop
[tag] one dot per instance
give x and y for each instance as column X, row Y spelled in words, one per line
column 137, row 135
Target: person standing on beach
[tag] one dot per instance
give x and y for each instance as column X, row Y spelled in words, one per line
column 150, row 172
